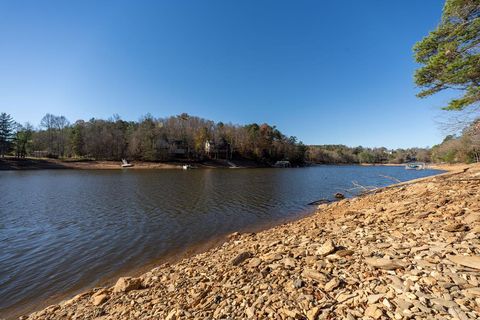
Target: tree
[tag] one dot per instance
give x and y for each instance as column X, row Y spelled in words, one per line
column 450, row 55
column 6, row 133
column 23, row 140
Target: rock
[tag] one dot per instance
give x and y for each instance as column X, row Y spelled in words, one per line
column 387, row 304
column 99, row 299
column 172, row 315
column 386, row 264
column 457, row 313
column 332, row 284
column 254, row 262
column 373, row 312
column 443, row 302
column 374, row 298
column 314, row 275
column 342, row 297
column 327, row 248
column 339, row 195
column 291, row 313
column 297, row 284
column 467, row 261
column 456, row 227
column 313, row 313
column 471, row 218
column 125, row 284
column 240, row 258
column 289, row 262
column 403, row 304
column 473, row 291
column 250, row 312
column 344, row 253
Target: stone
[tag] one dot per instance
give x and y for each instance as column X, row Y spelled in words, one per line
column 125, row 284
column 344, row 253
column 443, row 302
column 456, row 227
column 314, row 275
column 467, row 261
column 386, row 264
column 373, row 312
column 327, row 248
column 473, row 291
column 471, row 218
column 250, row 312
column 339, row 195
column 172, row 315
column 374, row 298
column 241, row 258
column 99, row 299
column 342, row 297
column 254, row 262
column 313, row 313
column 403, row 304
column 289, row 262
column 332, row 284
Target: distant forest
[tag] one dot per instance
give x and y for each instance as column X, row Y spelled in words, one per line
column 186, row 137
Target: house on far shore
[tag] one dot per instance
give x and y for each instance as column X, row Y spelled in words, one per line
column 221, row 150
column 282, row 164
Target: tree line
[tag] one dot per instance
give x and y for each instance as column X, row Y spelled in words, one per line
column 341, row 154
column 183, row 137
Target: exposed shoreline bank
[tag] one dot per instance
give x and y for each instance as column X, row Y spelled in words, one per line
column 276, row 259
column 48, row 164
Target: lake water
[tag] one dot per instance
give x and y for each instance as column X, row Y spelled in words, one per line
column 63, row 231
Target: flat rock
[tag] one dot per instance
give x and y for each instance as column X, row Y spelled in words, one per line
column 373, row 312
column 456, row 227
column 313, row 313
column 374, row 298
column 314, row 275
column 386, row 264
column 327, row 248
column 471, row 218
column 99, row 299
column 241, row 257
column 254, row 262
column 125, row 284
column 467, row 261
column 332, row 284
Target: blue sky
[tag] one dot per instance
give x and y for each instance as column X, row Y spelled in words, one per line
column 328, row 72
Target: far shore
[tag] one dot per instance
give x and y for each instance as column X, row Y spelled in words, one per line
column 11, row 163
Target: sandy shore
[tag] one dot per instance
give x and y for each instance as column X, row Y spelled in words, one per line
column 409, row 251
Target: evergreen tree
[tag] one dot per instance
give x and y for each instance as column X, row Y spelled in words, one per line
column 6, row 133
column 450, row 55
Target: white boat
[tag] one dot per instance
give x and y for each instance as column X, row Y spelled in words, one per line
column 415, row 166
column 125, row 164
column 186, row 167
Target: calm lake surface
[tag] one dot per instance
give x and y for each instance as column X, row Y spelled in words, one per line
column 63, row 231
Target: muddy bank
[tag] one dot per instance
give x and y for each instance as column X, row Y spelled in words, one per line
column 409, row 251
column 38, row 164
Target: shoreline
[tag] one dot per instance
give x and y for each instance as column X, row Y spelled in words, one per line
column 112, row 300
column 12, row 164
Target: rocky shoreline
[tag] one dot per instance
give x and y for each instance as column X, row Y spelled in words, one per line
column 410, row 251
